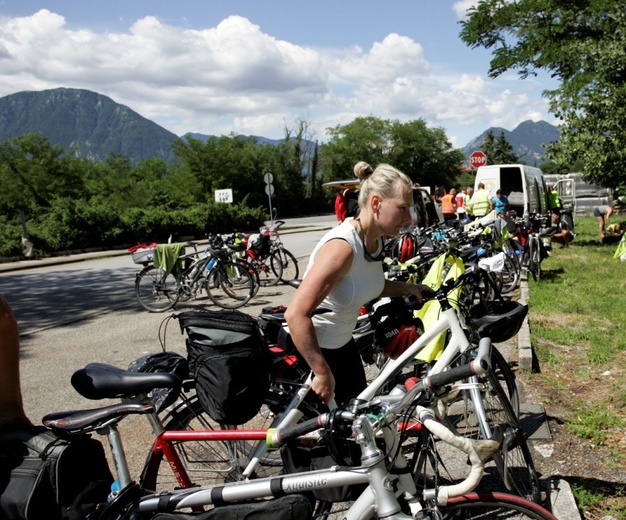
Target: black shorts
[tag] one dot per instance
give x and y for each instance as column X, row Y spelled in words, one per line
column 347, row 367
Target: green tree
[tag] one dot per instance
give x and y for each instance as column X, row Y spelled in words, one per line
column 581, row 44
column 498, row 150
column 425, row 154
column 226, row 162
column 363, row 139
column 33, row 173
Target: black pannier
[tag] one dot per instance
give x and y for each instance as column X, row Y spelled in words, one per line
column 290, row 507
column 44, row 476
column 229, row 361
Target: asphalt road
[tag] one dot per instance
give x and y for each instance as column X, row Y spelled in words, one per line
column 58, row 291
column 71, row 314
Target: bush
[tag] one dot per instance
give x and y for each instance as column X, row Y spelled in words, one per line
column 76, row 224
column 79, row 225
column 10, row 235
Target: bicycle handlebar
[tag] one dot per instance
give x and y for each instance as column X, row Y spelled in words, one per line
column 480, row 365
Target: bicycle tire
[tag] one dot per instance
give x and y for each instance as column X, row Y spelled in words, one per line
column 534, row 260
column 229, row 285
column 267, row 275
column 478, row 506
column 206, row 462
column 509, row 276
column 156, row 290
column 290, row 270
column 247, row 266
column 514, row 460
column 491, row 410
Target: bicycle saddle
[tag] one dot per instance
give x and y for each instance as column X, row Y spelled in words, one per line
column 102, row 381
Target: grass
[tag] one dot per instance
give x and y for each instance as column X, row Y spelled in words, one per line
column 577, row 314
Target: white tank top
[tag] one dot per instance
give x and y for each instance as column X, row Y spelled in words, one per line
column 364, row 282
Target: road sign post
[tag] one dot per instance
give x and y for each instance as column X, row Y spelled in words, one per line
column 269, row 189
column 478, row 159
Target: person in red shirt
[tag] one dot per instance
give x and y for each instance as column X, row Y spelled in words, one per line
column 11, row 409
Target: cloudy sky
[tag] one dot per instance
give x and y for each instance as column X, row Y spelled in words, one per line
column 258, row 66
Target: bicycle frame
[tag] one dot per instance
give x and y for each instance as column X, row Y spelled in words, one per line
column 378, row 497
column 458, row 343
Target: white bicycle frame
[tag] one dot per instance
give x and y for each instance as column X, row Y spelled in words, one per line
column 458, row 343
column 379, row 497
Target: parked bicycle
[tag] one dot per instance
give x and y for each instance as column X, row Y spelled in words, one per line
column 484, row 405
column 267, row 255
column 160, row 286
column 391, row 492
column 530, row 234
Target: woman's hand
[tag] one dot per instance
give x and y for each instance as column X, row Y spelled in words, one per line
column 424, row 292
column 397, row 289
column 324, row 386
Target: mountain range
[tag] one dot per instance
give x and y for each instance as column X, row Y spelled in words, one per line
column 527, row 140
column 94, row 126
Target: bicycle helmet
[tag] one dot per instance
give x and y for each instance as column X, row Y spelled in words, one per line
column 499, row 320
column 395, row 326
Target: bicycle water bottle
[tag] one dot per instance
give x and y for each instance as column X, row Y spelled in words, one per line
column 211, row 263
column 115, row 490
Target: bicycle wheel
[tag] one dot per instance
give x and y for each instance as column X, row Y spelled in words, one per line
column 229, row 285
column 268, row 275
column 509, row 275
column 207, row 462
column 156, row 290
column 476, row 506
column 289, row 263
column 253, row 273
column 497, row 420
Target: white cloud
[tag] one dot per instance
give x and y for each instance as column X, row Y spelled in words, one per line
column 235, row 77
column 461, row 7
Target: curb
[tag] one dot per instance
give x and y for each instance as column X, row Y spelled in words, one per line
column 81, row 257
column 560, row 496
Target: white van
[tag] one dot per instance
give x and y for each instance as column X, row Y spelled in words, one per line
column 524, row 186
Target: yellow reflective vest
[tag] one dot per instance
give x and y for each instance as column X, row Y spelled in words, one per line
column 480, row 203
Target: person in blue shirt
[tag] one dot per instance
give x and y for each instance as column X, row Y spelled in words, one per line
column 500, row 204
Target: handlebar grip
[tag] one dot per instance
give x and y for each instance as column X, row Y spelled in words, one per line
column 480, row 365
column 276, row 438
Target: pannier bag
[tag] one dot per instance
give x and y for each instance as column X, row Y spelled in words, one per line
column 229, row 361
column 290, row 507
column 298, row 458
column 43, row 476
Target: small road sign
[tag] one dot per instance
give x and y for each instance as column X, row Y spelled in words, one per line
column 478, row 159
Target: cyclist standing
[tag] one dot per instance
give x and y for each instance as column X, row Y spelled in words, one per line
column 480, row 202
column 344, row 272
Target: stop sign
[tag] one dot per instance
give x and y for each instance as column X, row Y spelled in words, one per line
column 477, row 159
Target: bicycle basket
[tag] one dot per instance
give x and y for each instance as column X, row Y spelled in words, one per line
column 499, row 320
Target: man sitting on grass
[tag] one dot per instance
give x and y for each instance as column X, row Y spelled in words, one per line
column 563, row 233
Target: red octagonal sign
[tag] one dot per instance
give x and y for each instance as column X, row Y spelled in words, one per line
column 478, row 159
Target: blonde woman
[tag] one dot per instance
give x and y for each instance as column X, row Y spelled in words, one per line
column 344, row 272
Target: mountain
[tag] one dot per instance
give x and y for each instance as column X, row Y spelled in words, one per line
column 93, row 125
column 527, row 140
